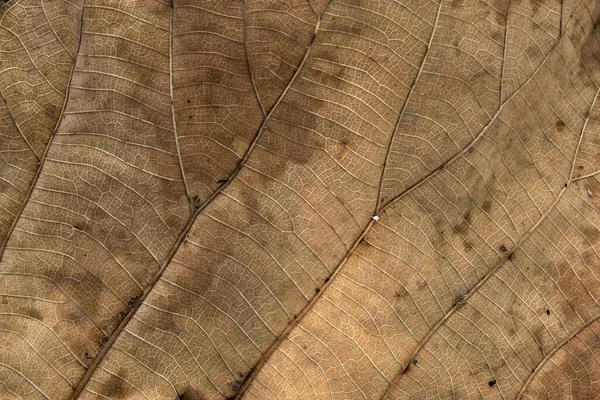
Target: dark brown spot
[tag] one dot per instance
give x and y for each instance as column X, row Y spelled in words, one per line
column 317, row 290
column 492, row 383
column 196, row 202
column 188, row 394
column 560, row 125
column 547, row 312
column 460, row 300
column 132, row 301
column 326, row 279
column 503, row 249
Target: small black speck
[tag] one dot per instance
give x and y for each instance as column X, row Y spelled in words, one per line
column 222, row 180
column 415, row 362
column 196, row 201
column 547, row 312
column 580, row 167
column 326, row 279
column 492, row 383
column 318, row 290
column 441, row 232
column 566, row 184
column 510, row 256
column 295, row 316
column 470, row 150
column 189, row 101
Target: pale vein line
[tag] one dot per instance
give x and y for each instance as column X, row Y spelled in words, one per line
column 173, row 119
column 401, row 115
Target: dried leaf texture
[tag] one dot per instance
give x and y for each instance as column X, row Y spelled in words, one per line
column 189, row 191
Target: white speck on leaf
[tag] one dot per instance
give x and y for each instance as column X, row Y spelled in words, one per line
column 375, row 218
column 589, row 191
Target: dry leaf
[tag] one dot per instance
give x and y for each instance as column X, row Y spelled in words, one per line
column 304, row 199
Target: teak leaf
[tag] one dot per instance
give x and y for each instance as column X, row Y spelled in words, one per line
column 301, row 199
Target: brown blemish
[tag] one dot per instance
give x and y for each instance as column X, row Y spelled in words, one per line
column 467, row 246
column 114, row 388
column 456, row 4
column 33, row 313
column 462, row 228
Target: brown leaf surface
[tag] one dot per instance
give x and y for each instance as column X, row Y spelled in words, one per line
column 188, row 192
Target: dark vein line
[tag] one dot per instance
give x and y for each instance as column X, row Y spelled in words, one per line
column 562, row 10
column 248, row 59
column 504, row 51
column 42, row 159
